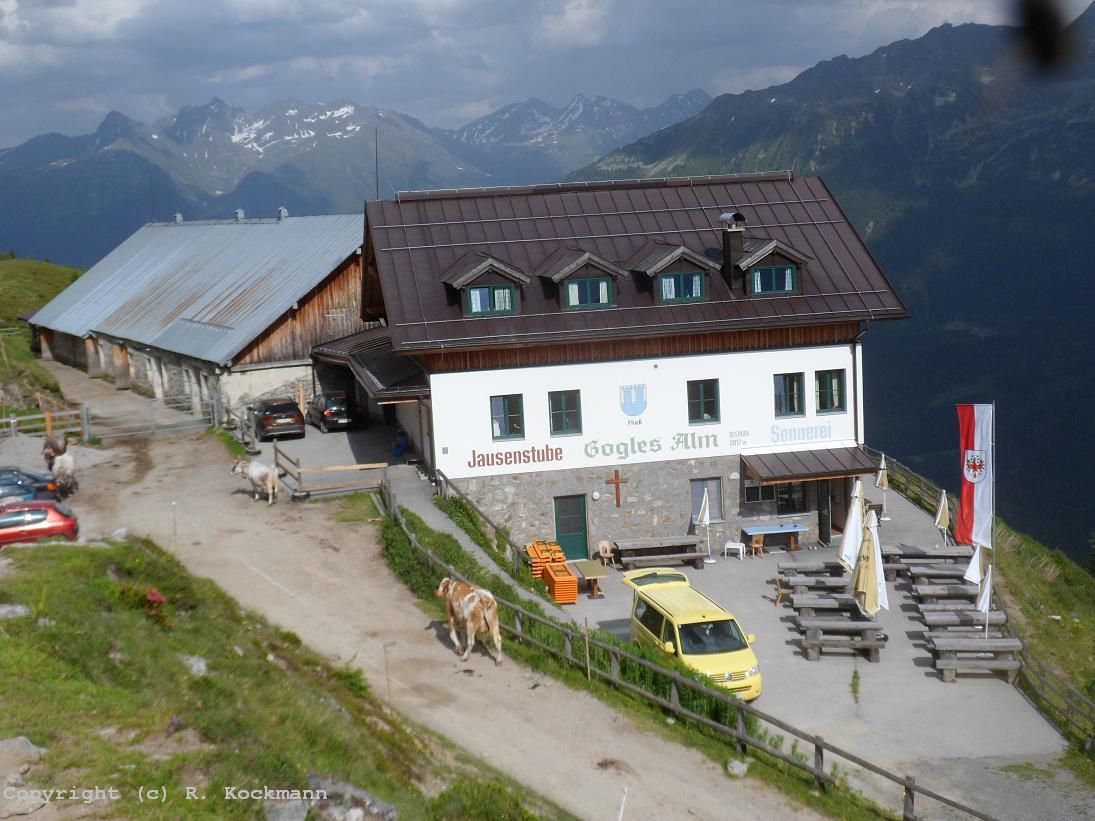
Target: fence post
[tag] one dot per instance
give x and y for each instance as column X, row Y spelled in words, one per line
column 819, row 759
column 14, row 425
column 674, row 695
column 739, row 720
column 152, row 418
column 908, row 812
column 85, row 422
column 214, row 411
column 615, row 666
column 568, row 647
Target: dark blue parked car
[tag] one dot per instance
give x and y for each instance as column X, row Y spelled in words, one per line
column 43, row 484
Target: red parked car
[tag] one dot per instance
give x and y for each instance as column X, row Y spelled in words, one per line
column 35, row 520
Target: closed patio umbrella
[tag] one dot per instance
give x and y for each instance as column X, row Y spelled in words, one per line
column 882, row 480
column 704, row 518
column 853, row 528
column 869, row 581
column 943, row 516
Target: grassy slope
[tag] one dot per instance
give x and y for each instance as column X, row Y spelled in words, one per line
column 93, row 678
column 25, row 285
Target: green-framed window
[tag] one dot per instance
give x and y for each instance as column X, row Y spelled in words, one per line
column 587, row 293
column 788, row 394
column 829, row 391
column 775, row 279
column 565, row 410
column 703, row 401
column 483, row 300
column 507, row 416
column 687, row 287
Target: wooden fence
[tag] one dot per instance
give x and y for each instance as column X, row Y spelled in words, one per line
column 707, row 706
column 1063, row 706
column 292, row 468
column 48, row 422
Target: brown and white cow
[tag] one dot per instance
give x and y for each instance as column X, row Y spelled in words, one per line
column 475, row 610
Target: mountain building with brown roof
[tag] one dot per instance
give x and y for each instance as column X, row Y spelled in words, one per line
column 693, row 334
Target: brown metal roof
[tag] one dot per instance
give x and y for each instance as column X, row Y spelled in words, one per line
column 832, row 463
column 383, row 374
column 419, row 236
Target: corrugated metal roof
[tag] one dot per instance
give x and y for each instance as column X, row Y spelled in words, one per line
column 204, row 289
column 418, row 236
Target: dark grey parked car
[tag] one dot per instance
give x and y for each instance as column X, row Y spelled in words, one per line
column 328, row 411
column 279, row 416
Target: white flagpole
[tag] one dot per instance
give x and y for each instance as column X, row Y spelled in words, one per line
column 993, row 457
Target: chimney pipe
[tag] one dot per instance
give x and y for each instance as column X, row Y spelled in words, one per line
column 733, row 236
column 239, row 215
column 283, row 212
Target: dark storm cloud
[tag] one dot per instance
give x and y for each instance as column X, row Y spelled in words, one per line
column 65, row 63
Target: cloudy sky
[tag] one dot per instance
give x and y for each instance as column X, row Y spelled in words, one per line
column 65, row 63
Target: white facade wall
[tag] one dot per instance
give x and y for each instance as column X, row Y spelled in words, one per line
column 747, row 423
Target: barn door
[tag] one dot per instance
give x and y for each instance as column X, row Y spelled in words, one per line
column 570, row 526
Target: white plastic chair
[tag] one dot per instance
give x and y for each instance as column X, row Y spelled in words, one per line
column 737, row 547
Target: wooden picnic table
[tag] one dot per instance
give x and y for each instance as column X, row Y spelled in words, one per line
column 948, row 553
column 814, row 568
column 964, row 618
column 931, row 592
column 1002, row 652
column 592, row 571
column 952, row 606
column 922, row 574
column 756, row 534
column 828, row 632
column 807, row 603
column 800, row 584
column 659, row 550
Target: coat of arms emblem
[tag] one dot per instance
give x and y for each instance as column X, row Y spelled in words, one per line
column 974, row 466
column 633, row 399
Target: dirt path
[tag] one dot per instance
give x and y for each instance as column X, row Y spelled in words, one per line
column 332, row 588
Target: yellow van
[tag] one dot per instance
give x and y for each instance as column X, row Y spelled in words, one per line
column 669, row 614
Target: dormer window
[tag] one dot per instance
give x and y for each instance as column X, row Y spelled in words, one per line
column 483, row 300
column 595, row 292
column 681, row 287
column 486, row 285
column 775, row 279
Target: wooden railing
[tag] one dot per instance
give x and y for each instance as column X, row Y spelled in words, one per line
column 288, row 466
column 1066, row 708
column 514, row 554
column 675, row 693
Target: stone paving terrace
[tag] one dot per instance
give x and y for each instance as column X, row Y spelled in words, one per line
column 905, row 712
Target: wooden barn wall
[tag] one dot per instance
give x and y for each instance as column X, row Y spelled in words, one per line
column 331, row 310
column 617, row 349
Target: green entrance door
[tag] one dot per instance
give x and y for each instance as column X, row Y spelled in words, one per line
column 570, row 526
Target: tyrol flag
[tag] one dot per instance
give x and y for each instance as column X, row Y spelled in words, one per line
column 975, row 431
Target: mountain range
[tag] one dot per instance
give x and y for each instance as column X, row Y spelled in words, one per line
column 972, row 177
column 74, row 198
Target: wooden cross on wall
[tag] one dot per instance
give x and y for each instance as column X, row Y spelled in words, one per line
column 617, row 481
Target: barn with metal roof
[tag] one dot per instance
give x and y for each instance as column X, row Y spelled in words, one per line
column 228, row 306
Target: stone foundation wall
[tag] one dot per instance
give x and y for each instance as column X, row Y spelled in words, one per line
column 655, row 501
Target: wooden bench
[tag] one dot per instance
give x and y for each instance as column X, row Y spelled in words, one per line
column 807, row 603
column 963, row 618
column 834, row 633
column 924, row 574
column 930, row 592
column 695, row 559
column 800, row 584
column 952, row 553
column 818, row 568
column 949, row 661
column 657, row 550
column 952, row 606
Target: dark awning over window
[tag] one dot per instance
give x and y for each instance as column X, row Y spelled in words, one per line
column 796, row 466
